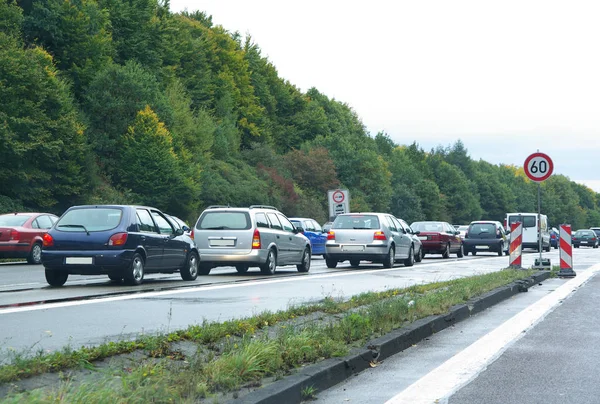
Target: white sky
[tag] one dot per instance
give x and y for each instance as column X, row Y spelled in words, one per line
column 507, row 78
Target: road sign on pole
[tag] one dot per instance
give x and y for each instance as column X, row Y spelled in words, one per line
column 339, row 202
column 538, row 167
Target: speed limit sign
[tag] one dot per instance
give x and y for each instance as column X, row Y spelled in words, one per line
column 538, row 167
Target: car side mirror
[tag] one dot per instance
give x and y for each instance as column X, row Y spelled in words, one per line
column 298, row 230
column 178, row 232
column 417, row 232
column 185, row 228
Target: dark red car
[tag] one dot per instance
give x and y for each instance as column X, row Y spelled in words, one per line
column 21, row 235
column 439, row 238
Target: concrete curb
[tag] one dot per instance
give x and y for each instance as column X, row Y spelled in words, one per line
column 330, row 372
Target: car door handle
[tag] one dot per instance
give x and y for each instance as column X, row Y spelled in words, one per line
column 143, row 238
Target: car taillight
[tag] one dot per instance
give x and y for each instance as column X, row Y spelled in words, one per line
column 117, row 239
column 256, row 240
column 435, row 237
column 192, row 234
column 593, row 238
column 47, row 240
column 14, row 235
column 330, row 235
column 379, row 235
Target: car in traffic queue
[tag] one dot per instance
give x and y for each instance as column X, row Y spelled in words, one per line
column 180, row 224
column 418, row 245
column 21, row 235
column 125, row 242
column 256, row 236
column 585, row 238
column 439, row 238
column 555, row 238
column 372, row 236
column 462, row 229
column 327, row 227
column 313, row 231
column 486, row 236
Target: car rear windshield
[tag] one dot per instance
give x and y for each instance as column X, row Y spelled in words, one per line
column 581, row 233
column 528, row 221
column 90, row 219
column 224, row 221
column 356, row 222
column 13, row 220
column 428, row 226
column 481, row 228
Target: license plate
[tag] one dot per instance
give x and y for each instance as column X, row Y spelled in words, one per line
column 584, row 242
column 422, row 237
column 79, row 260
column 482, row 247
column 353, row 248
column 222, row 243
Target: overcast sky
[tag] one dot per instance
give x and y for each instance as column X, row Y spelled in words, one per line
column 507, row 78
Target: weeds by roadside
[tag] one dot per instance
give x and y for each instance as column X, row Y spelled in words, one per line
column 237, row 354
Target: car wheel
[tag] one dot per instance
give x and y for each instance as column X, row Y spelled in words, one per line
column 474, row 253
column 501, row 250
column 461, row 252
column 595, row 245
column 446, row 252
column 56, row 277
column 354, row 263
column 547, row 249
column 135, row 273
column 115, row 278
column 204, row 269
column 331, row 263
column 268, row 268
column 419, row 255
column 576, row 246
column 388, row 261
column 410, row 261
column 242, row 269
column 189, row 272
column 35, row 255
column 305, row 265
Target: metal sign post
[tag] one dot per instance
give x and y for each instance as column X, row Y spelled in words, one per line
column 539, row 167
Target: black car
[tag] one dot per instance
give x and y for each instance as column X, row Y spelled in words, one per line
column 585, row 238
column 486, row 236
column 123, row 242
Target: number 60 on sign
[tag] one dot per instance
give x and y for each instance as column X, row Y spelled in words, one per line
column 538, row 167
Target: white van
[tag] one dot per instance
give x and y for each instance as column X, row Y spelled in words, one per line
column 532, row 230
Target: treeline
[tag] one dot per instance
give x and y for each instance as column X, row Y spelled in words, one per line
column 123, row 101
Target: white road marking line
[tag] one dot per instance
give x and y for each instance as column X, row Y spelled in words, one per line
column 438, row 385
column 204, row 288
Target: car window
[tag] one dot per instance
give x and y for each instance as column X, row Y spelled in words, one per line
column 528, row 221
column 224, row 220
column 144, row 221
column 356, row 222
column 35, row 224
column 448, row 228
column 308, row 225
column 261, row 220
column 482, row 228
column 299, row 224
column 54, row 219
column 428, row 226
column 44, row 222
column 174, row 222
column 13, row 220
column 317, row 226
column 90, row 219
column 401, row 225
column 275, row 223
column 163, row 224
column 285, row 222
column 390, row 223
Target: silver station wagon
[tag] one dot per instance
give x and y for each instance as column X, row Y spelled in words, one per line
column 258, row 236
column 375, row 237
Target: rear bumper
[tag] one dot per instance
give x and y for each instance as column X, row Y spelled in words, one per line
column 9, row 249
column 433, row 247
column 370, row 252
column 493, row 245
column 103, row 262
column 253, row 258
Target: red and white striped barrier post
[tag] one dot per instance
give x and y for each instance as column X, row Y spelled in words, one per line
column 566, row 252
column 516, row 244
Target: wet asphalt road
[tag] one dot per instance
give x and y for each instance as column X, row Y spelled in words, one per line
column 97, row 311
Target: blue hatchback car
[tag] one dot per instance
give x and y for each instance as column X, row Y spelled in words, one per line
column 123, row 242
column 313, row 231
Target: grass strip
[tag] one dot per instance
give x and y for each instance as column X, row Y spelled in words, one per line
column 239, row 353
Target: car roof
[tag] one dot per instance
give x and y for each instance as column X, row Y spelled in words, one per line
column 25, row 214
column 113, row 206
column 485, row 221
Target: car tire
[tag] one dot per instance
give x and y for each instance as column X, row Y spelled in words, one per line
column 388, row 261
column 35, row 255
column 576, row 246
column 595, row 245
column 446, row 252
column 461, row 251
column 331, row 263
column 474, row 253
column 134, row 275
column 547, row 249
column 115, row 278
column 56, row 277
column 410, row 261
column 501, row 249
column 268, row 268
column 189, row 271
column 204, row 269
column 305, row 265
column 354, row 263
column 419, row 255
column 242, row 269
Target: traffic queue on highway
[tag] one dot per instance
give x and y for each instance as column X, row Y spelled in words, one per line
column 126, row 242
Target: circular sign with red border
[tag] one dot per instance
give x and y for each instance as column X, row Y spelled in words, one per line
column 338, row 196
column 538, row 167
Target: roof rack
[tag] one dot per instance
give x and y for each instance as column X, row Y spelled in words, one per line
column 218, row 206
column 263, row 207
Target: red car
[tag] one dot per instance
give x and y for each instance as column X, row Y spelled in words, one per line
column 439, row 238
column 21, row 235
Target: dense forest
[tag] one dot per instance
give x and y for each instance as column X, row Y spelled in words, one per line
column 123, row 101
